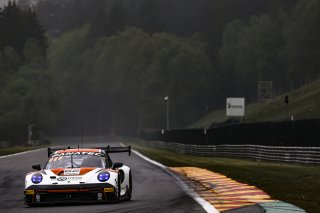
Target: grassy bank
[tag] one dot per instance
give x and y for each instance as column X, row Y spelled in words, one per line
column 304, row 103
column 16, row 149
column 298, row 184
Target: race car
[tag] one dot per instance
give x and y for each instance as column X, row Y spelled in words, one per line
column 79, row 175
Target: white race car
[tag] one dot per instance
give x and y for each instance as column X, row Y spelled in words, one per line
column 79, row 175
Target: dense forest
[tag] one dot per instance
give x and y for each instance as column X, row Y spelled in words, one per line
column 106, row 65
column 27, row 94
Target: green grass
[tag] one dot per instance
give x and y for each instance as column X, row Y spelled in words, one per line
column 16, row 149
column 298, row 184
column 304, row 103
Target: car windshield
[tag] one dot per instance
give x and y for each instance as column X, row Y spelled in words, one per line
column 75, row 161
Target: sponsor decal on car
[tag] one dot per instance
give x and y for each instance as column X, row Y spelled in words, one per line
column 78, row 153
column 74, row 178
column 69, row 178
column 29, row 192
column 71, row 172
column 61, row 178
column 99, row 196
column 109, row 189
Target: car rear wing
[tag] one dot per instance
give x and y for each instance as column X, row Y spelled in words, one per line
column 118, row 149
column 107, row 149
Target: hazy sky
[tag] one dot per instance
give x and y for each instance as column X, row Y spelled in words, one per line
column 3, row 2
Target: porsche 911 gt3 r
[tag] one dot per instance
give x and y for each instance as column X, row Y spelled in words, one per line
column 79, row 175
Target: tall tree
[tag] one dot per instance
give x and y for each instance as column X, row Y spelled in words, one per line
column 302, row 35
column 149, row 15
column 108, row 22
column 17, row 26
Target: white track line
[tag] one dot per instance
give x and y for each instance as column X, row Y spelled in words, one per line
column 202, row 202
column 21, row 153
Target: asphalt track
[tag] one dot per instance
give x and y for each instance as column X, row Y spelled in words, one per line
column 154, row 190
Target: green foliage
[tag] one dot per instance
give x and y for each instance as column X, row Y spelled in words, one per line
column 33, row 53
column 111, row 63
column 63, row 50
column 229, row 53
column 17, row 26
column 116, row 78
column 250, row 53
column 301, row 52
column 129, row 74
column 276, row 47
column 10, row 61
column 111, row 22
column 184, row 18
column 29, row 97
column 27, row 90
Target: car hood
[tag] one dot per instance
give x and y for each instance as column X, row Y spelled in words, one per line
column 71, row 171
column 69, row 176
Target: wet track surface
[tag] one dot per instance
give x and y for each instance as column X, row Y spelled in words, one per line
column 154, row 190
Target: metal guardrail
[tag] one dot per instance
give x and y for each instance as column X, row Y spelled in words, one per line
column 276, row 153
column 300, row 133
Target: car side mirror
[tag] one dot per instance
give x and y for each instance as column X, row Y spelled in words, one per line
column 117, row 165
column 36, row 167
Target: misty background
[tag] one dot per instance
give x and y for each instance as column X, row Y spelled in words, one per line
column 106, row 65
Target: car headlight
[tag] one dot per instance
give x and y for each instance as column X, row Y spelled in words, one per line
column 36, row 178
column 103, row 176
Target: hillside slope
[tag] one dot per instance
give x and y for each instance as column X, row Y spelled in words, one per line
column 304, row 103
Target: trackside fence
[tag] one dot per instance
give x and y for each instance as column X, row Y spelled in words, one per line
column 275, row 153
column 291, row 141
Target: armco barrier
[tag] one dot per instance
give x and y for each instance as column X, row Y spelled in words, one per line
column 303, row 133
column 276, row 153
column 291, row 141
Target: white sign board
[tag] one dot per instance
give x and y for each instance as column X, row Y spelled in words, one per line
column 265, row 90
column 235, row 107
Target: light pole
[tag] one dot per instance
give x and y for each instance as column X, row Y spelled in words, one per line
column 138, row 121
column 30, row 132
column 166, row 99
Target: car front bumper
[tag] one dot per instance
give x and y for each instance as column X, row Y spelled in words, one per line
column 80, row 193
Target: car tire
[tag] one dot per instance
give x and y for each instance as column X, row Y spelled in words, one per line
column 119, row 188
column 129, row 194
